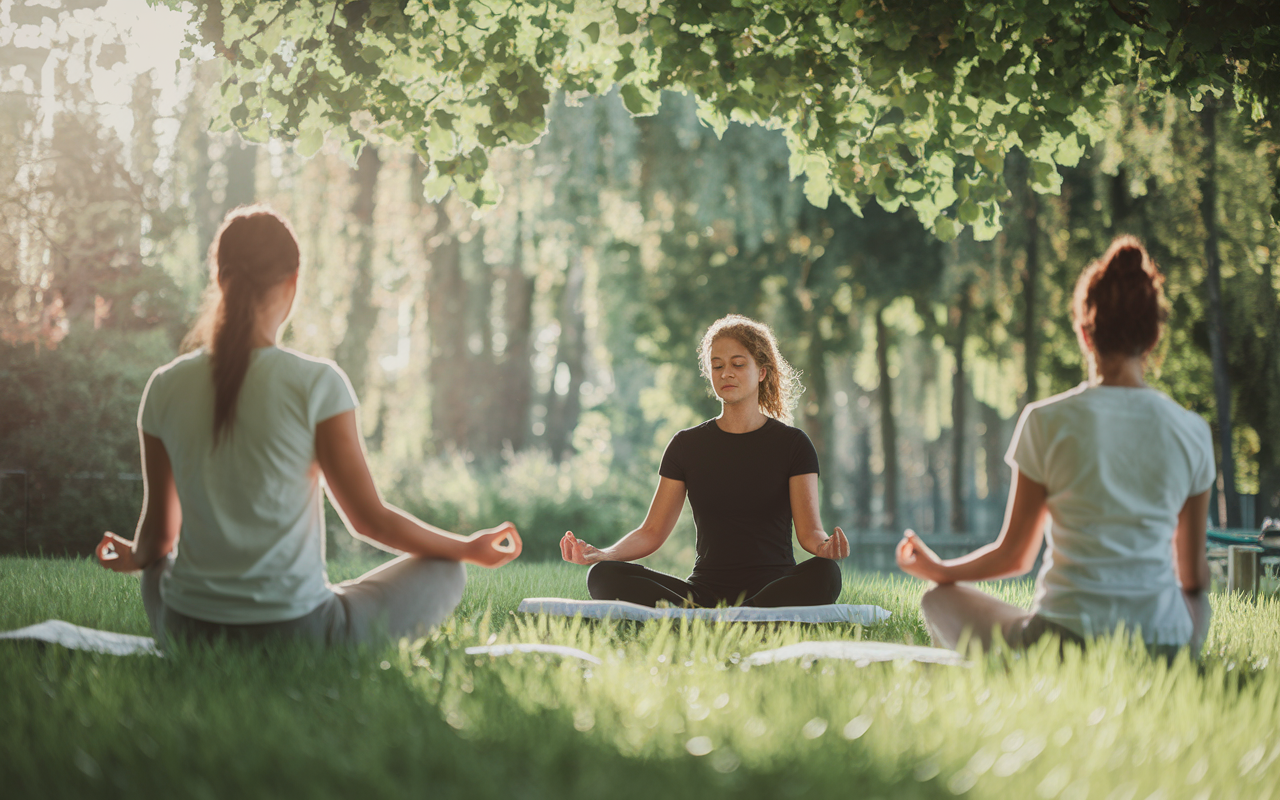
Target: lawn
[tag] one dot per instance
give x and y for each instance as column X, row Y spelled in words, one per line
column 670, row 713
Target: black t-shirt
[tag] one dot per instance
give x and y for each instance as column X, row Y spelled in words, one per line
column 739, row 489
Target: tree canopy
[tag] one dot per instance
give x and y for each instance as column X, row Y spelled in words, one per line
column 915, row 102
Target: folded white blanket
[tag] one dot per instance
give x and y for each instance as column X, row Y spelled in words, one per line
column 861, row 653
column 55, row 631
column 617, row 609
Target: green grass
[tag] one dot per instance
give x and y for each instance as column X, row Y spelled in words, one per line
column 422, row 718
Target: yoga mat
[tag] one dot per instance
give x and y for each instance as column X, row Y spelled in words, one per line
column 74, row 637
column 617, row 609
column 547, row 649
column 861, row 653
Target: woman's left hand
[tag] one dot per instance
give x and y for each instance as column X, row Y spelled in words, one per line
column 834, row 547
column 116, row 553
column 493, row 547
column 916, row 559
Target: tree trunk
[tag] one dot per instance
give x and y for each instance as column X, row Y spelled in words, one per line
column 862, row 476
column 206, row 221
column 993, row 444
column 935, row 452
column 1217, row 326
column 447, row 372
column 483, row 438
column 959, row 411
column 1031, row 298
column 352, row 353
column 242, row 165
column 563, row 409
column 516, row 365
column 815, row 408
column 1268, row 502
column 888, row 426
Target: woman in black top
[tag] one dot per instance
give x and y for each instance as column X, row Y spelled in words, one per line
column 748, row 476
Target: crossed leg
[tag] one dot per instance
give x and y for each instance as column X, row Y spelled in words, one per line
column 954, row 610
column 815, row 582
column 635, row 583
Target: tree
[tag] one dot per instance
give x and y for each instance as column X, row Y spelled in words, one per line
column 352, row 352
column 916, row 103
column 1216, row 324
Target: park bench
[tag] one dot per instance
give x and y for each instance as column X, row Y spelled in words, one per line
column 1247, row 553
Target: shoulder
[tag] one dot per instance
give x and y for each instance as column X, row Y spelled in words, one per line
column 306, row 368
column 1187, row 420
column 180, row 368
column 1063, row 402
column 698, row 432
column 782, row 431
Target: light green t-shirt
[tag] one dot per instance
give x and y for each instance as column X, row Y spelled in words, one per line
column 251, row 549
column 1118, row 464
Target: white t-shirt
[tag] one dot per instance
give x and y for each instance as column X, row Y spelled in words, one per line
column 251, row 548
column 1118, row 463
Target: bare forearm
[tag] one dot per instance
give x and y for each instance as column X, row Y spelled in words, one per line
column 810, row 540
column 986, row 563
column 400, row 531
column 147, row 550
column 1195, row 577
column 636, row 544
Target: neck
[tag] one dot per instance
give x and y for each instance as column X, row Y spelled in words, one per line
column 264, row 334
column 1118, row 371
column 742, row 417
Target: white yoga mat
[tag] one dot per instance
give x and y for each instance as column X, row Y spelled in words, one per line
column 861, row 653
column 55, row 631
column 617, row 609
column 545, row 649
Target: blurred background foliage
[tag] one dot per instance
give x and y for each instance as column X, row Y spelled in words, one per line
column 531, row 362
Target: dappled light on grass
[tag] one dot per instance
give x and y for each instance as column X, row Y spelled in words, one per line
column 671, row 710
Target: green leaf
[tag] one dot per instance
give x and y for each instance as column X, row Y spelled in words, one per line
column 1069, row 152
column 817, row 190
column 435, row 186
column 775, row 24
column 945, row 228
column 593, row 32
column 1045, row 177
column 627, row 22
column 310, row 139
column 639, row 100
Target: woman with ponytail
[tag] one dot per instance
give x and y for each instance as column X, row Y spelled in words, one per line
column 236, row 438
column 748, row 476
column 1121, row 474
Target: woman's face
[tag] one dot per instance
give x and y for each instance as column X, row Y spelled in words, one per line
column 735, row 376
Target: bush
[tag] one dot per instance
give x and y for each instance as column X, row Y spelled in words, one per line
column 544, row 499
column 68, row 416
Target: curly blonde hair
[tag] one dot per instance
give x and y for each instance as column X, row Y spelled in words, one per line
column 781, row 387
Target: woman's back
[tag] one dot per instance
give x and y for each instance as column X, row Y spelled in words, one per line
column 1118, row 464
column 252, row 542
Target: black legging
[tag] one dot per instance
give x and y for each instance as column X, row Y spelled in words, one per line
column 814, row 582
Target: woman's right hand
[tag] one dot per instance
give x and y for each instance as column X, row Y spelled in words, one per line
column 916, row 559
column 116, row 553
column 576, row 551
column 494, row 547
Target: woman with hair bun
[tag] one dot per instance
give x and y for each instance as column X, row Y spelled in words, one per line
column 236, row 436
column 1122, row 474
column 748, row 475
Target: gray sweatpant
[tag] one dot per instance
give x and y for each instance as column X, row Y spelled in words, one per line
column 403, row 597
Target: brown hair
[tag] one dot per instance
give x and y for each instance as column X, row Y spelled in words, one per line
column 1119, row 300
column 254, row 250
column 781, row 387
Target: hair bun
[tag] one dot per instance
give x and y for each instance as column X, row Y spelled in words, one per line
column 1128, row 262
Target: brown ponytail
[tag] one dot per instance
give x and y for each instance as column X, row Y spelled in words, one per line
column 1119, row 300
column 254, row 250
